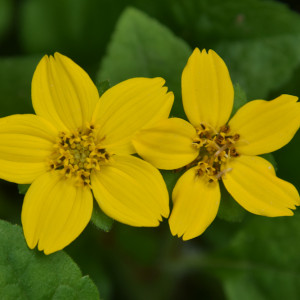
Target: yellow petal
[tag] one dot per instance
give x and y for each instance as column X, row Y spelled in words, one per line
column 265, row 126
column 207, row 91
column 26, row 143
column 63, row 93
column 131, row 191
column 128, row 107
column 168, row 144
column 55, row 212
column 195, row 205
column 252, row 182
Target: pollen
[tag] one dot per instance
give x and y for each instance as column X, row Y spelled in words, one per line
column 215, row 149
column 77, row 154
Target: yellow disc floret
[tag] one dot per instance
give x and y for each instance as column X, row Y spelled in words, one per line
column 77, row 154
column 215, row 148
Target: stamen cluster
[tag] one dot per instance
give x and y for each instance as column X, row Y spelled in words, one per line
column 215, row 148
column 77, row 154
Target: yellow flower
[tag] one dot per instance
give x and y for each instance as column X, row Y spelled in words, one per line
column 214, row 149
column 77, row 146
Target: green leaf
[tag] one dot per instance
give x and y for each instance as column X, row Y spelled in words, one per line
column 268, row 61
column 103, row 86
column 23, row 188
column 100, row 219
column 142, row 47
column 15, row 84
column 79, row 29
column 262, row 257
column 29, row 274
column 259, row 40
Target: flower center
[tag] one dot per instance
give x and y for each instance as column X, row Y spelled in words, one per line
column 77, row 154
column 215, row 148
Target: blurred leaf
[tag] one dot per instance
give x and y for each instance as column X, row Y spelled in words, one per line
column 15, row 84
column 28, row 274
column 103, row 86
column 139, row 243
column 229, row 209
column 23, row 188
column 79, row 29
column 100, row 219
column 6, row 13
column 263, row 68
column 171, row 177
column 141, row 47
column 262, row 259
column 259, row 40
column 240, row 98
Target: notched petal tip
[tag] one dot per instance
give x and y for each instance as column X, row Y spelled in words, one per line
column 207, row 90
column 30, row 242
column 55, row 212
column 48, row 252
column 288, row 97
column 258, row 190
column 187, row 237
column 63, row 93
column 128, row 107
column 266, row 126
column 195, row 205
column 57, row 54
column 131, row 191
column 166, row 213
column 161, row 80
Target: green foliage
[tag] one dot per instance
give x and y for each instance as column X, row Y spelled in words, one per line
column 79, row 29
column 262, row 259
column 259, row 40
column 141, row 47
column 229, row 209
column 100, row 219
column 15, row 87
column 28, row 274
column 261, row 51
